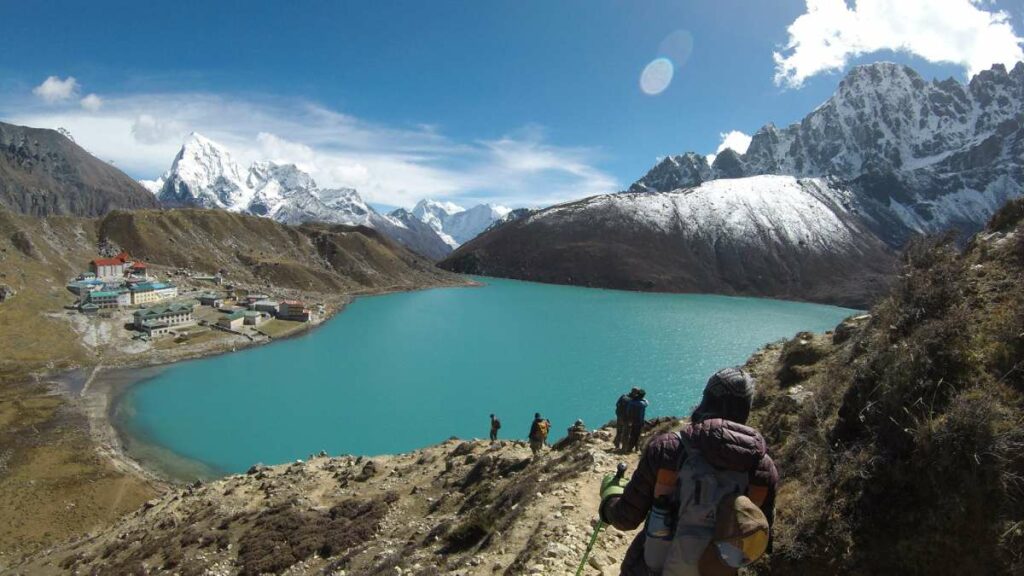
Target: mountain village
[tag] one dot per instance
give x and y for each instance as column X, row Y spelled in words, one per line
column 120, row 287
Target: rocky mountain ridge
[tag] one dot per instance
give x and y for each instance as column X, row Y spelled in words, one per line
column 921, row 156
column 43, row 173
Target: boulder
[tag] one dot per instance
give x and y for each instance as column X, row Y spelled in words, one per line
column 369, row 470
column 847, row 328
column 798, row 355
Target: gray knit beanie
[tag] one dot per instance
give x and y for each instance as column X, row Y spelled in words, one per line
column 731, row 382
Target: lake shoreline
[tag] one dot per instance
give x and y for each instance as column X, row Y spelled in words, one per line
column 103, row 391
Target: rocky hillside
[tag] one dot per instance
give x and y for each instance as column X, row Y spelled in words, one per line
column 44, row 173
column 313, row 257
column 468, row 508
column 772, row 236
column 899, row 435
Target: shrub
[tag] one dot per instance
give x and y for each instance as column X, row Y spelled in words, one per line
column 908, row 457
column 1008, row 216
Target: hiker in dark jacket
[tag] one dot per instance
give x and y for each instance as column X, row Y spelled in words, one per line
column 718, row 431
column 620, row 418
column 495, row 426
column 636, row 414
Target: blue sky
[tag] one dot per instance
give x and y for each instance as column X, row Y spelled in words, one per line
column 520, row 102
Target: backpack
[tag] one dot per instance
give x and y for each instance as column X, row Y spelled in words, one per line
column 496, row 424
column 542, row 429
column 674, row 548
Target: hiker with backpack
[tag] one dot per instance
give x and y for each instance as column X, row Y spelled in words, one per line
column 636, row 415
column 495, row 426
column 620, row 418
column 539, row 433
column 705, row 493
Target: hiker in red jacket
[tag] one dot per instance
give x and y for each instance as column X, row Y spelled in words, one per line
column 732, row 455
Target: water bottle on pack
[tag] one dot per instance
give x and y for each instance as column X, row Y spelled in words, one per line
column 659, row 530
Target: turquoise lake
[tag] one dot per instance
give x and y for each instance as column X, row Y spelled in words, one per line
column 397, row 372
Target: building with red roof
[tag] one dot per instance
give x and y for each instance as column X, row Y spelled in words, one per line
column 112, row 267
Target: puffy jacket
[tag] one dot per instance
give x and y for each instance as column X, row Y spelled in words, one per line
column 636, row 411
column 724, row 444
column 620, row 406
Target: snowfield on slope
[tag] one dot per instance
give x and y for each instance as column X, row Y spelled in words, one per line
column 755, row 210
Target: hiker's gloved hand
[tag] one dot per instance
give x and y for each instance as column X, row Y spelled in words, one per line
column 611, row 485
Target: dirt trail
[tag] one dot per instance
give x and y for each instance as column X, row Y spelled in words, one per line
column 467, row 508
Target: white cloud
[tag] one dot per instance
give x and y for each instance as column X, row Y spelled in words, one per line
column 53, row 89
column 92, row 103
column 959, row 32
column 149, row 130
column 734, row 139
column 389, row 165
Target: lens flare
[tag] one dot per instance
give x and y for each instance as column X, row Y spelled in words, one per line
column 656, row 76
column 677, row 47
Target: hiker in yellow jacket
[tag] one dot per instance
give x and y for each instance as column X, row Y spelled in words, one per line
column 539, row 433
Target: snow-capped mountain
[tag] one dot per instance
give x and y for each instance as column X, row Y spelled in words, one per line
column 775, row 236
column 349, row 202
column 468, row 224
column 920, row 156
column 205, row 175
column 455, row 224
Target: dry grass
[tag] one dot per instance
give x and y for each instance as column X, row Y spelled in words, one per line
column 912, row 429
column 53, row 484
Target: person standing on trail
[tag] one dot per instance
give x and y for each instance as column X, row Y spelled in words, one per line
column 539, row 433
column 707, row 492
column 620, row 419
column 495, row 426
column 636, row 414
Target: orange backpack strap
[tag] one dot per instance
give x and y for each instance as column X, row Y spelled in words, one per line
column 757, row 494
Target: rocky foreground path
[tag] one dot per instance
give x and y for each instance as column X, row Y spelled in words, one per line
column 458, row 508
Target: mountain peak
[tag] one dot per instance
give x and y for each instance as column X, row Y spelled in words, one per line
column 203, row 174
column 884, row 77
column 195, row 140
column 673, row 172
column 428, row 205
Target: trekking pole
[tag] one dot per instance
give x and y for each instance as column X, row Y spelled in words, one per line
column 620, row 471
